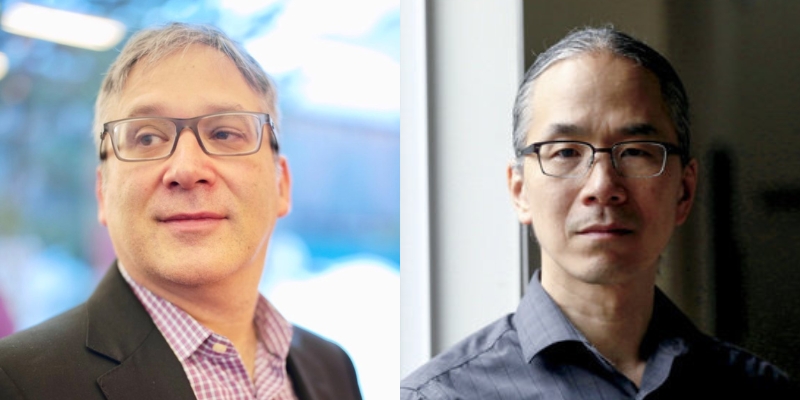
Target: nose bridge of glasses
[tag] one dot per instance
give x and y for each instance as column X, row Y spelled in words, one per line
column 609, row 150
column 182, row 124
column 613, row 159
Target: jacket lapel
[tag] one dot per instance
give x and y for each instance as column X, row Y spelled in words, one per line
column 120, row 328
column 319, row 370
column 300, row 371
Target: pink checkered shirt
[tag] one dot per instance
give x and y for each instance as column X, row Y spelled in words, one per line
column 210, row 361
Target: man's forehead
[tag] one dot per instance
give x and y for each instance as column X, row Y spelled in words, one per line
column 572, row 94
column 143, row 93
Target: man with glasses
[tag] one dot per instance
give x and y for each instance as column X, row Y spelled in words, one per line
column 190, row 185
column 603, row 175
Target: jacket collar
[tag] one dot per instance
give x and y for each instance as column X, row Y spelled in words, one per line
column 119, row 328
column 310, row 365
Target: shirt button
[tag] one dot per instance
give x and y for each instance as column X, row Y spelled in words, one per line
column 219, row 348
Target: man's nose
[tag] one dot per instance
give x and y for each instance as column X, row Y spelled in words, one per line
column 603, row 184
column 189, row 165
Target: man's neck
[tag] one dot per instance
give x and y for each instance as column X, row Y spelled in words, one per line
column 226, row 312
column 230, row 315
column 614, row 317
column 226, row 307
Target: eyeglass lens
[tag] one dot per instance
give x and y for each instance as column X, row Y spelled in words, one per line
column 573, row 159
column 151, row 138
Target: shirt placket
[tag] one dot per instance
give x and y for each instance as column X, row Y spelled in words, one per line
column 230, row 373
column 271, row 377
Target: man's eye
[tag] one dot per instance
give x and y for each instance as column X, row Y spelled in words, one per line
column 567, row 153
column 225, row 135
column 221, row 135
column 634, row 152
column 149, row 139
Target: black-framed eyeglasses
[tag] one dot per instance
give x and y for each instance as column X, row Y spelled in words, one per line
column 573, row 159
column 219, row 134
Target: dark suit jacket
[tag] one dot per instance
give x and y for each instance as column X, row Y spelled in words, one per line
column 109, row 348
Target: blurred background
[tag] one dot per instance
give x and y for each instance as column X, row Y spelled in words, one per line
column 733, row 268
column 334, row 262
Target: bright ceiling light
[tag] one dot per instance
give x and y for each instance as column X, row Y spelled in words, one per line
column 63, row 27
column 3, row 65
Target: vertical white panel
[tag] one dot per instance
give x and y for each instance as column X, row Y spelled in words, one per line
column 475, row 61
column 415, row 305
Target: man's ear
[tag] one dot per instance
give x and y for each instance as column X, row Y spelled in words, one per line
column 99, row 194
column 516, row 188
column 284, row 187
column 687, row 192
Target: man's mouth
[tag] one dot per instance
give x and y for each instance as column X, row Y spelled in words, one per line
column 188, row 217
column 192, row 223
column 609, row 230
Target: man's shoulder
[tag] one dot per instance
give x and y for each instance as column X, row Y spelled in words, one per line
column 49, row 358
column 317, row 364
column 45, row 339
column 476, row 354
column 725, row 365
column 53, row 344
column 307, row 342
column 737, row 360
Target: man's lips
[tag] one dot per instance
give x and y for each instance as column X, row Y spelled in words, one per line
column 191, row 217
column 605, row 230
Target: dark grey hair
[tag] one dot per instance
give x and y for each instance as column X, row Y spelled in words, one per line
column 588, row 40
column 150, row 45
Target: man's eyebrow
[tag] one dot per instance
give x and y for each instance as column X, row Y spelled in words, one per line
column 568, row 130
column 643, row 129
column 562, row 129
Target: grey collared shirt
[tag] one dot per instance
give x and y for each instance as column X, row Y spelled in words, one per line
column 537, row 353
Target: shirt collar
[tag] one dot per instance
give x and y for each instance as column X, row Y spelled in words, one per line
column 273, row 330
column 185, row 335
column 669, row 327
column 540, row 324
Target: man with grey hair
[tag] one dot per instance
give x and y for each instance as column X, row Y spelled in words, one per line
column 603, row 175
column 178, row 315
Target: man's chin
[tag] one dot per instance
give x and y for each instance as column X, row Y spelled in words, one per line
column 191, row 272
column 610, row 271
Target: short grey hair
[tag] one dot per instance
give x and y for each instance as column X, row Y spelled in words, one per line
column 590, row 40
column 148, row 46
